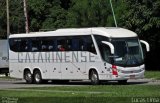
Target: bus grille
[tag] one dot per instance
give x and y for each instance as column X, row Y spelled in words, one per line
column 128, row 72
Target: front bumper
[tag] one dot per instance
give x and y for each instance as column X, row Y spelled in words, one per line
column 126, row 76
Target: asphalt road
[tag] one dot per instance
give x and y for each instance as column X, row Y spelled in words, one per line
column 12, row 83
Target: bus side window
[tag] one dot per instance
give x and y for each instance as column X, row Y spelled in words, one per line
column 51, row 45
column 44, row 48
column 68, row 44
column 19, row 45
column 105, row 52
column 47, row 44
column 24, row 45
column 61, row 45
column 35, row 44
column 50, row 48
column 82, row 46
column 14, row 44
column 64, row 44
column 43, row 45
column 92, row 49
column 75, row 44
column 89, row 45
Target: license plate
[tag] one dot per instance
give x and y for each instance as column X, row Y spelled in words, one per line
column 132, row 76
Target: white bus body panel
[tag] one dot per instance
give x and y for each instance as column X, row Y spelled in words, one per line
column 73, row 70
column 108, row 32
column 4, row 54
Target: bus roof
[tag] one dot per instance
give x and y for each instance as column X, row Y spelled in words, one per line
column 111, row 32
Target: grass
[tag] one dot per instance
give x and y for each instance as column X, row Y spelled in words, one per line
column 72, row 94
column 97, row 91
column 152, row 74
column 7, row 78
column 84, row 94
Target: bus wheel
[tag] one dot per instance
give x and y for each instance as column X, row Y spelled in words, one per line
column 28, row 77
column 37, row 77
column 122, row 81
column 6, row 74
column 94, row 78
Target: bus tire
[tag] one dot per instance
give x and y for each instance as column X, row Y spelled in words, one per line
column 94, row 78
column 37, row 77
column 6, row 74
column 28, row 77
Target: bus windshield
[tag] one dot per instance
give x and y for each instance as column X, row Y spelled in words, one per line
column 128, row 52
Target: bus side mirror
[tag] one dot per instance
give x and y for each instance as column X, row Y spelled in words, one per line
column 146, row 44
column 110, row 45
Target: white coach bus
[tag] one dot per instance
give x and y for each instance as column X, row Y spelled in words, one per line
column 96, row 54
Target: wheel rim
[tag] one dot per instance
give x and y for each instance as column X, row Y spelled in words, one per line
column 94, row 78
column 28, row 77
column 37, row 78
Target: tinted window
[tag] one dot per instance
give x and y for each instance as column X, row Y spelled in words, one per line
column 75, row 43
column 105, row 52
column 47, row 44
column 14, row 44
column 64, row 44
column 89, row 46
column 83, row 43
column 104, row 49
column 35, row 44
column 44, row 44
column 19, row 44
column 24, row 45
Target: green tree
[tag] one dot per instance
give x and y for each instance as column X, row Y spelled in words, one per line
column 16, row 17
column 142, row 16
column 89, row 13
column 46, row 14
column 37, row 12
column 56, row 17
column 3, row 19
column 17, row 20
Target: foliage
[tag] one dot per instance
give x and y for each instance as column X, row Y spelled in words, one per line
column 89, row 13
column 141, row 16
column 100, row 91
column 152, row 75
column 16, row 16
column 56, row 17
column 2, row 19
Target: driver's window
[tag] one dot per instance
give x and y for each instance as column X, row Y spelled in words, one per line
column 105, row 52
